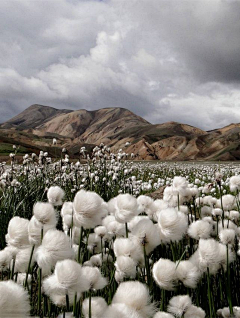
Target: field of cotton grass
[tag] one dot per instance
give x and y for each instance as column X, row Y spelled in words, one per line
column 86, row 240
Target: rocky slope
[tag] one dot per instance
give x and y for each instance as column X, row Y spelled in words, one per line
column 93, row 126
column 34, row 116
column 35, row 127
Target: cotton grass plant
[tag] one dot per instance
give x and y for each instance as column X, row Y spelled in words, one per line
column 84, row 240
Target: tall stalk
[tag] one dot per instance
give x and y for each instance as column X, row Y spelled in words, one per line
column 147, row 266
column 13, row 267
column 39, row 290
column 29, row 265
column 220, row 190
column 126, row 229
column 229, row 283
column 90, row 305
column 80, row 244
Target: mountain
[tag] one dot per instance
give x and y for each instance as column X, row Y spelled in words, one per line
column 93, row 126
column 34, row 116
column 37, row 125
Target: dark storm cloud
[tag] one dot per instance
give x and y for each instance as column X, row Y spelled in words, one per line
column 206, row 36
column 162, row 59
column 7, row 110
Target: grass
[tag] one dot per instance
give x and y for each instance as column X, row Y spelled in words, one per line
column 6, row 149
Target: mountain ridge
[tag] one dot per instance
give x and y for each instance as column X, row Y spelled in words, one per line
column 28, row 118
column 38, row 124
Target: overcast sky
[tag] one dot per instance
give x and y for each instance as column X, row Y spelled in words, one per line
column 165, row 60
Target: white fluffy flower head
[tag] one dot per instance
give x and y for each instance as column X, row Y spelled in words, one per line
column 18, row 232
column 164, row 274
column 55, row 195
column 178, row 305
column 135, row 295
column 14, row 300
column 126, row 208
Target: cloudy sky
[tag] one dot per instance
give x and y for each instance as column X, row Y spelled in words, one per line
column 165, row 60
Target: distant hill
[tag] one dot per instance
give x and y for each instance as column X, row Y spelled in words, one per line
column 36, row 126
column 34, row 116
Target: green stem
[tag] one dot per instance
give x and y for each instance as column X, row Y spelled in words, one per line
column 39, row 290
column 162, row 300
column 112, row 277
column 74, row 305
column 90, row 307
column 80, row 243
column 13, row 266
column 126, row 228
column 209, row 294
column 102, row 247
column 49, row 308
column 45, row 305
column 85, row 248
column 220, row 190
column 147, row 267
column 29, row 265
column 181, row 258
column 173, row 251
column 229, row 285
column 71, row 231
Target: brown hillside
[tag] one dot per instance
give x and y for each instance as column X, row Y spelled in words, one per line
column 37, row 125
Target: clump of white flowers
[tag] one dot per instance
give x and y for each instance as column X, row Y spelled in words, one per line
column 118, row 241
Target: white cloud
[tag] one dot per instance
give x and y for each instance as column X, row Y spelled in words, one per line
column 205, row 111
column 164, row 60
